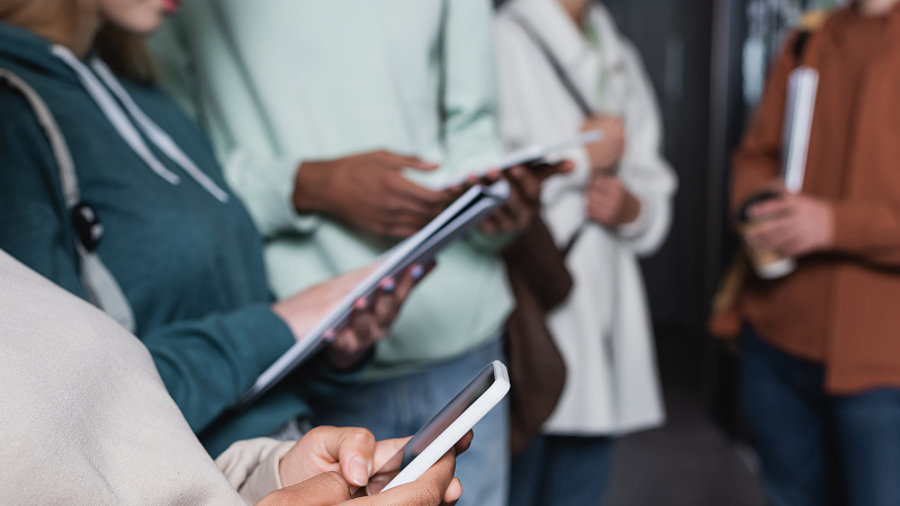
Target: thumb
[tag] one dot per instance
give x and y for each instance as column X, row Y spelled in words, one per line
column 355, row 451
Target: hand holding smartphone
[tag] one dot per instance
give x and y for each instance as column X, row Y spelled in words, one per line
column 445, row 430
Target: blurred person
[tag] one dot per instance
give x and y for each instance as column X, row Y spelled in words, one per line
column 73, row 433
column 820, row 357
column 316, row 109
column 614, row 208
column 179, row 260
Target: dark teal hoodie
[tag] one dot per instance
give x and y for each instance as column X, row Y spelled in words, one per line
column 190, row 265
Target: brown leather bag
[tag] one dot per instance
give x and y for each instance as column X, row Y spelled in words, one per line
column 540, row 281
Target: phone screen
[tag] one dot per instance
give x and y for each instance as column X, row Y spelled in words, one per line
column 427, row 434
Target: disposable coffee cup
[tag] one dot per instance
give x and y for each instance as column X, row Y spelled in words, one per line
column 767, row 264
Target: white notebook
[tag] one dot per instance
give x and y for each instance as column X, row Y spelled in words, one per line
column 460, row 217
column 803, row 85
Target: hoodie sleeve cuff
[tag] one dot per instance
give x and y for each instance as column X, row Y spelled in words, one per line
column 266, row 188
column 304, row 223
column 253, row 321
column 252, row 467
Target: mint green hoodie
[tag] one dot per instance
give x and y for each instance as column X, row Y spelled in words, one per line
column 283, row 81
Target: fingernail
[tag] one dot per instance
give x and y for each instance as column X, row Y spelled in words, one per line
column 329, row 335
column 417, row 272
column 361, row 303
column 388, row 285
column 359, row 472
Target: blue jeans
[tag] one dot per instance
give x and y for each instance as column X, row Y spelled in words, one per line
column 815, row 448
column 400, row 406
column 562, row 471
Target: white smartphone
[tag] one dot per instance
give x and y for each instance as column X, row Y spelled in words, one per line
column 457, row 418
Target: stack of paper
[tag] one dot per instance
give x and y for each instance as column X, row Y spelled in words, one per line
column 460, row 217
column 534, row 154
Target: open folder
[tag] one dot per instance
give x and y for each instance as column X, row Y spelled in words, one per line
column 460, row 217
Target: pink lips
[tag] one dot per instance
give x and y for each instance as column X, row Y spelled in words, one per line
column 171, row 6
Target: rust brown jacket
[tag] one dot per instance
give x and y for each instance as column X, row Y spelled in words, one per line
column 841, row 308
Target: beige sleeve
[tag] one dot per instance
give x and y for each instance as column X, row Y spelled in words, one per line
column 251, row 466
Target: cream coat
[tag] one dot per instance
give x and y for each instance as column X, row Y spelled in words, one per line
column 86, row 419
column 603, row 330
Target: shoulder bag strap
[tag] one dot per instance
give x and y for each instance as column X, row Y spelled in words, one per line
column 558, row 68
column 568, row 84
column 102, row 289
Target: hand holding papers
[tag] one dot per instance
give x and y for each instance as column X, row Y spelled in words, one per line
column 369, row 191
column 371, row 319
column 460, row 217
column 533, row 156
column 525, row 170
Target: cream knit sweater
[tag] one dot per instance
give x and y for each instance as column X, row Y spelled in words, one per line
column 85, row 418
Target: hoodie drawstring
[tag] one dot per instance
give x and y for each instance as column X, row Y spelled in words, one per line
column 156, row 134
column 120, row 121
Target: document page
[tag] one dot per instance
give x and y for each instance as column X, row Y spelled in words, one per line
column 463, row 215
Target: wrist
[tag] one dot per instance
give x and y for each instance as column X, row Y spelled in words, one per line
column 602, row 166
column 348, row 363
column 631, row 209
column 830, row 226
column 312, row 184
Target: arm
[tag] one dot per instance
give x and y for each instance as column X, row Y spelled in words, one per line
column 868, row 230
column 865, row 230
column 643, row 170
column 757, row 161
column 286, row 194
column 232, row 349
column 205, row 364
